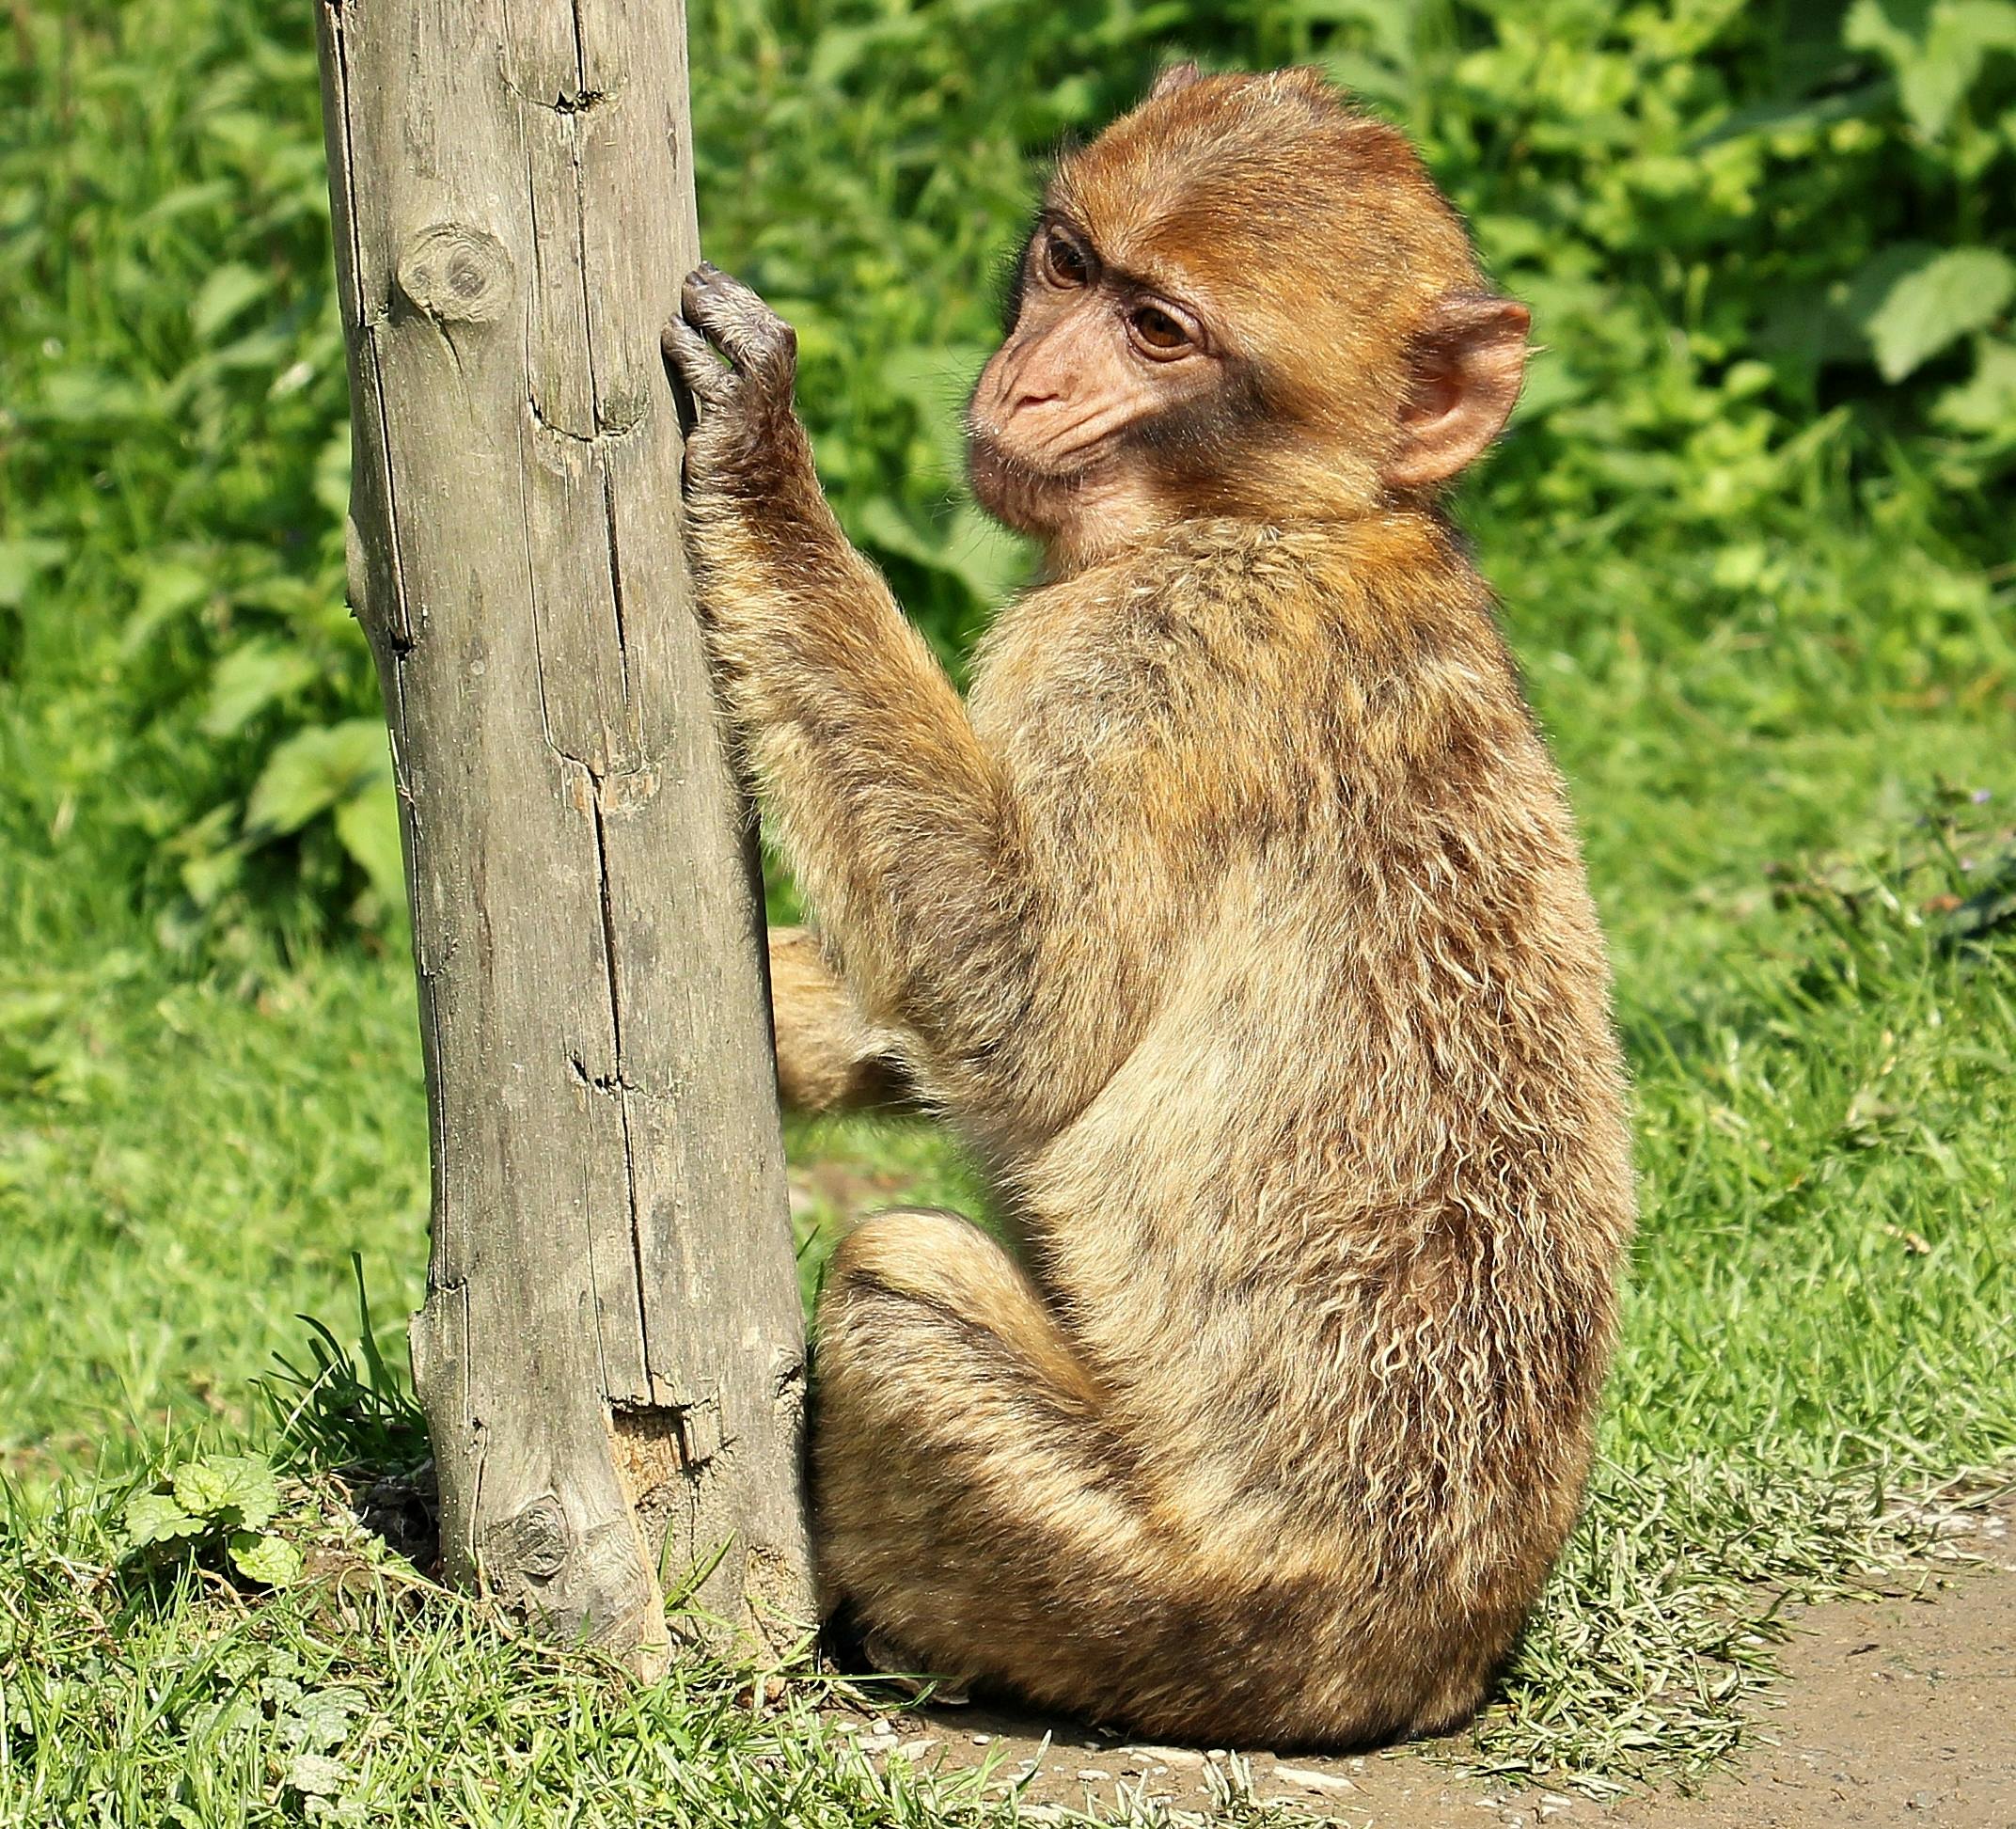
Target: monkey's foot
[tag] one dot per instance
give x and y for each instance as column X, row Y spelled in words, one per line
column 896, row 1664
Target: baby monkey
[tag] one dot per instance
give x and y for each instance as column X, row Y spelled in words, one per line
column 1236, row 915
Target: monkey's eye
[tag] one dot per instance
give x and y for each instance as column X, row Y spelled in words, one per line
column 1065, row 263
column 1157, row 333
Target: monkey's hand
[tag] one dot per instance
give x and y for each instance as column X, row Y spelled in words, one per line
column 742, row 434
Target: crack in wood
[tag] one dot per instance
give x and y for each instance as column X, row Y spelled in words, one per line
column 623, row 1103
column 610, row 955
column 603, row 439
column 616, row 595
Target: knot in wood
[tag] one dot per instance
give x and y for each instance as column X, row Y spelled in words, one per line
column 533, row 1543
column 456, row 273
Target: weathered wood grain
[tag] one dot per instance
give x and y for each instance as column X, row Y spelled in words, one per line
column 611, row 1352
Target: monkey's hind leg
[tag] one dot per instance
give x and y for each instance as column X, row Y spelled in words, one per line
column 972, row 1505
column 828, row 1058
column 975, row 1505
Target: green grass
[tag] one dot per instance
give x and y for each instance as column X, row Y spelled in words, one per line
column 350, row 1698
column 1819, row 1322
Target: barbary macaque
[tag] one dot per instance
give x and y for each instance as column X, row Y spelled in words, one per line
column 1236, row 915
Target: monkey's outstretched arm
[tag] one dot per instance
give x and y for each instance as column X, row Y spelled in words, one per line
column 898, row 825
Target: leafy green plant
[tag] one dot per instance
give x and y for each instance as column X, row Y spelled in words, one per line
column 1771, row 248
column 333, row 1414
column 215, row 1508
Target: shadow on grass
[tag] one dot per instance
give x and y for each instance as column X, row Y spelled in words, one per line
column 360, row 1425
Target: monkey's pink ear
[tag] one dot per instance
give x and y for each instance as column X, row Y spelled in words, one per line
column 1177, row 76
column 1467, row 365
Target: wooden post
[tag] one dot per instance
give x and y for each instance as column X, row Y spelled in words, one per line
column 611, row 1354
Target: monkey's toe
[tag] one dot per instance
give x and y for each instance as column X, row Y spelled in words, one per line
column 736, row 320
column 692, row 358
column 888, row 1658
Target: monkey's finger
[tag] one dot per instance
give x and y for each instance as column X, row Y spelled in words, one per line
column 736, row 318
column 698, row 376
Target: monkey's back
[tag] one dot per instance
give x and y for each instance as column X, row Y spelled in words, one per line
column 1336, row 1221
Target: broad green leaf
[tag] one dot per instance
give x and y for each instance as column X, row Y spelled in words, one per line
column 315, row 1775
column 168, row 587
column 1986, row 403
column 228, row 1489
column 1961, row 36
column 1937, row 52
column 262, row 1557
column 206, row 875
column 935, row 379
column 90, row 396
column 212, row 857
column 987, row 560
column 332, row 472
column 882, row 523
column 1074, row 101
column 251, row 677
column 1550, row 383
column 266, row 350
column 221, row 297
column 21, row 561
column 985, row 555
column 367, row 825
column 322, row 1717
column 1935, row 304
column 182, row 200
column 314, row 770
column 155, row 1518
column 1894, row 27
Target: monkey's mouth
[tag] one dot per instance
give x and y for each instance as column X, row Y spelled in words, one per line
column 1031, row 494
column 1010, row 487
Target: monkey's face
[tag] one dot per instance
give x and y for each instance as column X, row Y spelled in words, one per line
column 1100, row 367
column 1242, row 298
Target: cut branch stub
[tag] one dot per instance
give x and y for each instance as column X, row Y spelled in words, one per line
column 456, row 273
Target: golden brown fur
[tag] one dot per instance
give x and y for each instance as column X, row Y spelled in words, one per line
column 828, row 1056
column 1237, row 916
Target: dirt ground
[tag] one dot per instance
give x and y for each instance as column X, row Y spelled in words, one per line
column 1899, row 1711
